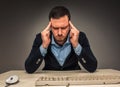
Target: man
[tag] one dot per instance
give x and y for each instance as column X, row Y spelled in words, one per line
column 61, row 45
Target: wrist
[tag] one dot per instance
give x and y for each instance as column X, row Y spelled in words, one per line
column 44, row 46
column 75, row 45
column 78, row 49
column 43, row 50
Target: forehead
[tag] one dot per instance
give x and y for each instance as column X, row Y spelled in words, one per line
column 62, row 21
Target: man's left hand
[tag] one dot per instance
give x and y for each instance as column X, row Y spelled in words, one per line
column 74, row 35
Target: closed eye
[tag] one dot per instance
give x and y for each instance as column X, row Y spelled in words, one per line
column 56, row 28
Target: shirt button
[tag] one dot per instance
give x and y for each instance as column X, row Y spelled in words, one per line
column 83, row 60
column 38, row 61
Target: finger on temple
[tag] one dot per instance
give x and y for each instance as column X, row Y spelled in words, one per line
column 72, row 26
column 48, row 27
column 70, row 34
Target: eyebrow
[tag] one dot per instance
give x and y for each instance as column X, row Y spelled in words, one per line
column 61, row 27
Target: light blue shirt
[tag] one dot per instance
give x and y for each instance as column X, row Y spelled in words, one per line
column 61, row 52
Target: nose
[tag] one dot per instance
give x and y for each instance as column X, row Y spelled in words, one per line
column 59, row 31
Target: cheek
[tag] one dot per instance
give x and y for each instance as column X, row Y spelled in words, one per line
column 66, row 32
column 54, row 32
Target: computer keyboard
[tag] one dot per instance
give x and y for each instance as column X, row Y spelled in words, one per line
column 75, row 78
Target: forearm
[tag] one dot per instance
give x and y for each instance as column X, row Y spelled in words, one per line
column 33, row 62
column 88, row 60
column 35, row 58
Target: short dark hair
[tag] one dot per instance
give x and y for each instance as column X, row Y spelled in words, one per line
column 59, row 11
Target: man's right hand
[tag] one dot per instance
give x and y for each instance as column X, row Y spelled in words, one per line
column 46, row 36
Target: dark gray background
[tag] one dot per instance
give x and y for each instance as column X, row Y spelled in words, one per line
column 20, row 21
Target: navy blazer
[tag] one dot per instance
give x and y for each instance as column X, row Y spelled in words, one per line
column 86, row 58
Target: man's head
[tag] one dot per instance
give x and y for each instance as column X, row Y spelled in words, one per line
column 59, row 17
column 59, row 11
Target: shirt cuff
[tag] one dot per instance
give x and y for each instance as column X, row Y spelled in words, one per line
column 78, row 49
column 43, row 51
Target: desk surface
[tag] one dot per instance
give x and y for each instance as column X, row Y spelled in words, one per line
column 28, row 80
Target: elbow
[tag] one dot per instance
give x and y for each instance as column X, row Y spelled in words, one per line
column 28, row 68
column 93, row 67
column 29, row 71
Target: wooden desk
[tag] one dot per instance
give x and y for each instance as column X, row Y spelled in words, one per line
column 28, row 80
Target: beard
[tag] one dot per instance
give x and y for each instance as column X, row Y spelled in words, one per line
column 60, row 39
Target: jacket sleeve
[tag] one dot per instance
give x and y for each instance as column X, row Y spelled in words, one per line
column 35, row 58
column 86, row 58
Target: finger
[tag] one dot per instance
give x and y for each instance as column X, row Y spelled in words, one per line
column 72, row 26
column 71, row 33
column 48, row 27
